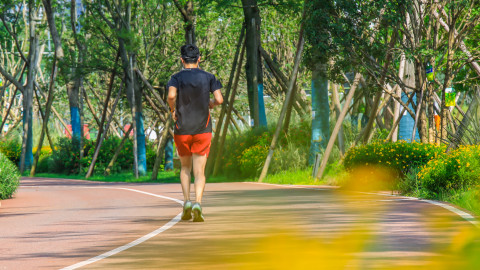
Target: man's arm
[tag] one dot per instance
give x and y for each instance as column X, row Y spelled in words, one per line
column 217, row 99
column 172, row 99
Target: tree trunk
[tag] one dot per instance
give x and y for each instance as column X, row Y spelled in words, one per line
column 161, row 146
column 320, row 112
column 336, row 102
column 448, row 80
column 336, row 129
column 26, row 157
column 457, row 138
column 228, row 114
column 300, row 105
column 288, row 98
column 213, row 152
column 406, row 124
column 252, row 22
column 376, row 102
column 51, row 91
column 134, row 97
column 101, row 136
column 117, row 151
column 396, row 112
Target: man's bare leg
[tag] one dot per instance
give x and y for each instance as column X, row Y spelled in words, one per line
column 185, row 176
column 199, row 174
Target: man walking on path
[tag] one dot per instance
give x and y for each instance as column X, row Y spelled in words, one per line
column 189, row 100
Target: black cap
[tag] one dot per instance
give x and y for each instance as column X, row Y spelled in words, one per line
column 190, row 52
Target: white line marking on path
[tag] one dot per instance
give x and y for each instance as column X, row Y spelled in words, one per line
column 450, row 208
column 127, row 246
column 138, row 241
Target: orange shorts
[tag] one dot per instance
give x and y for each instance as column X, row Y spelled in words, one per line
column 193, row 144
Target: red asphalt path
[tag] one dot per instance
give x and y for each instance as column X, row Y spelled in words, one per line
column 52, row 224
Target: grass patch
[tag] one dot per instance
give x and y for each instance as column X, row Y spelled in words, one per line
column 298, row 177
column 334, row 173
column 468, row 200
column 127, row 177
column 124, row 177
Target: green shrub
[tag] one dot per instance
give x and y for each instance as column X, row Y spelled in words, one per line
column 289, row 157
column 400, row 156
column 410, row 184
column 244, row 155
column 236, row 147
column 458, row 170
column 151, row 155
column 123, row 162
column 9, row 177
column 12, row 149
column 45, row 164
column 67, row 157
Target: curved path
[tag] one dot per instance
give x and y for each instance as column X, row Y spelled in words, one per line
column 63, row 224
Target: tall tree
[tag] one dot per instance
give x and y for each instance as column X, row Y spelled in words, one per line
column 254, row 70
column 320, row 111
column 31, row 12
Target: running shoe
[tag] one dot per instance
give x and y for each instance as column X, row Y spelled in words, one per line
column 187, row 210
column 197, row 213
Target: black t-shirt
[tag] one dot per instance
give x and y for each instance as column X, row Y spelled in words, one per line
column 193, row 96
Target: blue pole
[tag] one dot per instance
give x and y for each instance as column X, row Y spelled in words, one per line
column 29, row 150
column 320, row 116
column 169, row 154
column 141, row 149
column 261, row 106
column 405, row 127
column 75, row 121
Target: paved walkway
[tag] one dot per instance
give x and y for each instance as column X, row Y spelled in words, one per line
column 53, row 224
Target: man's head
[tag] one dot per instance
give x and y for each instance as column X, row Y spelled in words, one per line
column 190, row 54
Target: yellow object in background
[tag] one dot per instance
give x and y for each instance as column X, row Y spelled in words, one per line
column 450, row 97
column 429, row 72
column 437, row 121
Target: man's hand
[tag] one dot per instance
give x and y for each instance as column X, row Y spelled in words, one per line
column 211, row 104
column 174, row 115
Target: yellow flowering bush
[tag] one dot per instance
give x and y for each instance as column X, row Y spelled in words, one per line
column 12, row 149
column 400, row 156
column 458, row 170
column 252, row 159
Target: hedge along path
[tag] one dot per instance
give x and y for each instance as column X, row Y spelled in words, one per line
column 287, row 102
